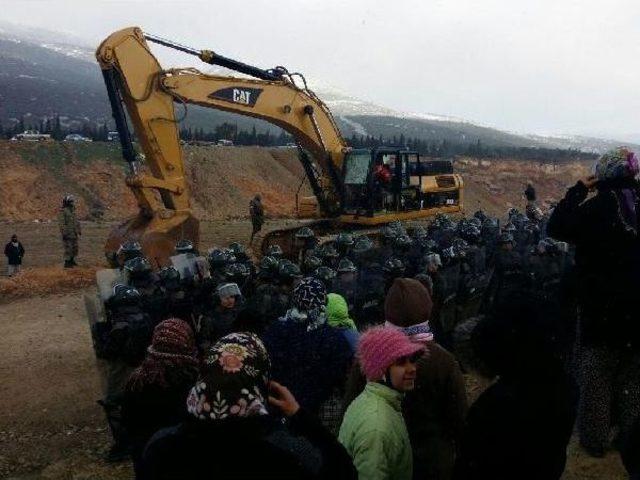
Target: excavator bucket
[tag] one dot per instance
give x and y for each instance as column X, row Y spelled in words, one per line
column 157, row 237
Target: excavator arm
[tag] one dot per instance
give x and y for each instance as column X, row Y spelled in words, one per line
column 135, row 79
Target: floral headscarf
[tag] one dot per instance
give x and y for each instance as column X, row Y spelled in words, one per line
column 617, row 164
column 234, row 379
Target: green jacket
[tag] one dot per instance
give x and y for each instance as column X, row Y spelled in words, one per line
column 374, row 433
column 69, row 224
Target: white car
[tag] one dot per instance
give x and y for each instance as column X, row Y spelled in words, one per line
column 75, row 137
column 32, row 136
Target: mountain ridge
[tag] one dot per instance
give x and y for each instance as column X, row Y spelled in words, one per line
column 45, row 73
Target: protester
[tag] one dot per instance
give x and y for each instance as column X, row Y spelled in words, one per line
column 604, row 230
column 220, row 322
column 520, row 426
column 338, row 317
column 373, row 431
column 436, row 408
column 14, row 251
column 156, row 392
column 256, row 211
column 309, row 356
column 231, row 433
column 70, row 230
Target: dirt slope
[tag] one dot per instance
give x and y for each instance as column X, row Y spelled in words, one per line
column 37, row 175
column 223, row 180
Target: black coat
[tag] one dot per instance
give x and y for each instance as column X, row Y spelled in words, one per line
column 519, row 428
column 242, row 448
column 607, row 263
column 14, row 254
column 152, row 408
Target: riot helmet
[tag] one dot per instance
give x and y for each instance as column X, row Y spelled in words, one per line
column 388, row 235
column 185, row 246
column 169, row 277
column 393, row 267
column 344, row 240
column 403, row 243
column 236, row 272
column 268, row 267
column 419, row 232
column 288, row 271
column 311, row 263
column 128, row 250
column 329, row 252
column 138, row 267
column 505, row 238
column 362, row 245
column 275, row 251
column 305, row 233
column 326, row 275
column 124, row 295
column 346, row 266
column 239, row 251
column 218, row 258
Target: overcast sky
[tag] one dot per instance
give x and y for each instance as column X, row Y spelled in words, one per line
column 538, row 66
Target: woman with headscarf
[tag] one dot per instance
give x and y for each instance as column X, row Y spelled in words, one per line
column 338, row 317
column 230, row 432
column 604, row 230
column 156, row 391
column 308, row 355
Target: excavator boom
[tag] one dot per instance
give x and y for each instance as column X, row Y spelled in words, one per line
column 347, row 184
column 136, row 80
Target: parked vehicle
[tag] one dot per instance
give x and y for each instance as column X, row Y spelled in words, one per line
column 76, row 137
column 31, row 136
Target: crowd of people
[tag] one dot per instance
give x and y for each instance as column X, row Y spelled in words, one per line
column 346, row 360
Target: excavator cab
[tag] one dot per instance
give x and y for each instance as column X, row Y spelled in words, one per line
column 388, row 181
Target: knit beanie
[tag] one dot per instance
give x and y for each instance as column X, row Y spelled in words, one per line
column 173, row 346
column 379, row 347
column 310, row 294
column 173, row 336
column 407, row 303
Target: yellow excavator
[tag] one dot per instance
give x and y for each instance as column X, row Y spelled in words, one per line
column 358, row 188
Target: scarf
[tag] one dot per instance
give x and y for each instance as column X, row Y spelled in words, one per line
column 338, row 312
column 419, row 333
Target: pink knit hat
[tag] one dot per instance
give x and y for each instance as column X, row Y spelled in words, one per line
column 379, row 347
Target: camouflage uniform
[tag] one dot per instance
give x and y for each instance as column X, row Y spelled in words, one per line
column 70, row 231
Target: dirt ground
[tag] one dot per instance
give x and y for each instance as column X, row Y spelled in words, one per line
column 50, row 424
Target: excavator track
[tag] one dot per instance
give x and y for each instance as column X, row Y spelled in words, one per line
column 325, row 231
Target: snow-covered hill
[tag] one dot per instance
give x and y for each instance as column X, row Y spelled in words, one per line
column 43, row 73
